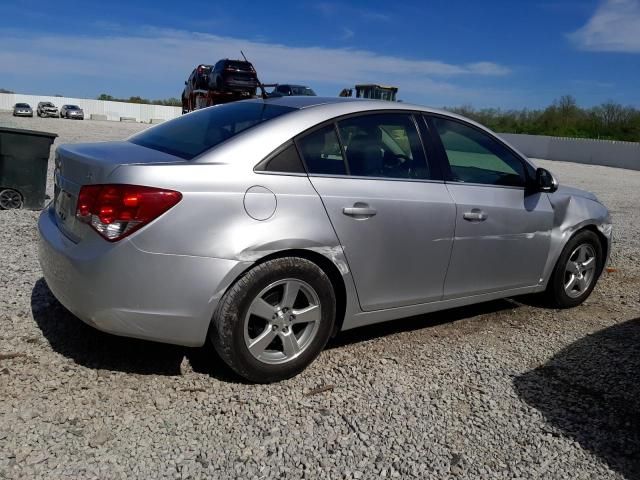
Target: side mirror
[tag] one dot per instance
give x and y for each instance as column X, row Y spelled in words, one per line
column 185, row 82
column 545, row 181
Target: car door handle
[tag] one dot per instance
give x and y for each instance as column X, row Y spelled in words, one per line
column 359, row 211
column 475, row 215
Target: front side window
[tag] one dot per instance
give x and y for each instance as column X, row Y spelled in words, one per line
column 476, row 157
column 383, row 145
column 321, row 152
column 190, row 135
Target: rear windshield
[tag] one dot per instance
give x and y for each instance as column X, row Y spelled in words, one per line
column 189, row 136
column 22, row 105
column 245, row 66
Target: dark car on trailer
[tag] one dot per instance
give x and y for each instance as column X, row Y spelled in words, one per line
column 289, row 90
column 233, row 76
column 198, row 80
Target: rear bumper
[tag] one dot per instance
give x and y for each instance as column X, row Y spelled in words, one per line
column 123, row 290
column 23, row 114
column 240, row 84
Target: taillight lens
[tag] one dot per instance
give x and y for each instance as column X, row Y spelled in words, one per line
column 115, row 211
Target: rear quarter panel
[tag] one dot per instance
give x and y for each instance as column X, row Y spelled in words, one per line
column 212, row 221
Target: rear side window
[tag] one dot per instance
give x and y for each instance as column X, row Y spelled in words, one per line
column 322, row 153
column 190, row 135
column 286, row 160
column 383, row 145
column 476, row 157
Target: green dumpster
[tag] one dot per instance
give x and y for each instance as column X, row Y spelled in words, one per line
column 24, row 157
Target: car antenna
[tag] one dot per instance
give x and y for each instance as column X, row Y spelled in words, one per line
column 262, row 90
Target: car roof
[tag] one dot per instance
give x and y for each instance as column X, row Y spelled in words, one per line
column 307, row 112
column 359, row 104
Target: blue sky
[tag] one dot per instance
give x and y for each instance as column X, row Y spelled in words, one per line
column 500, row 53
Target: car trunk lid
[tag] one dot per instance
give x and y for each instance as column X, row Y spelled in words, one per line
column 92, row 164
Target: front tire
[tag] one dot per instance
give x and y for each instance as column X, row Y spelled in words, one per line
column 577, row 270
column 275, row 320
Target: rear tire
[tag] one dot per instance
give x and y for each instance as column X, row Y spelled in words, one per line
column 275, row 320
column 576, row 272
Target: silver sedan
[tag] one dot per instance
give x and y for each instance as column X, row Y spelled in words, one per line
column 269, row 226
column 22, row 110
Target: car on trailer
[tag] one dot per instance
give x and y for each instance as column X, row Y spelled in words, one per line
column 226, row 81
column 198, row 80
column 289, row 90
column 233, row 76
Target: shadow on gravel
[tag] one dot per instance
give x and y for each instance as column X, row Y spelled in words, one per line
column 92, row 348
column 591, row 392
column 409, row 324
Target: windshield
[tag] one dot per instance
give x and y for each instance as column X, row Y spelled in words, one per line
column 73, row 107
column 47, row 104
column 22, row 105
column 189, row 136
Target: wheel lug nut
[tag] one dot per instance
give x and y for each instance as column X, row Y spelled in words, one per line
column 274, row 328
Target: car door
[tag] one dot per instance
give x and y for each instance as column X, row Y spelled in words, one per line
column 503, row 229
column 389, row 207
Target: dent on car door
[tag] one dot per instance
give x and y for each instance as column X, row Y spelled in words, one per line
column 393, row 221
column 503, row 230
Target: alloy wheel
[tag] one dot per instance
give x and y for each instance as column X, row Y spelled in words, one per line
column 282, row 321
column 580, row 270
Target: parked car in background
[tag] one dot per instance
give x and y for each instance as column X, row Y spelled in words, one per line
column 233, row 75
column 46, row 109
column 71, row 111
column 325, row 214
column 293, row 90
column 22, row 110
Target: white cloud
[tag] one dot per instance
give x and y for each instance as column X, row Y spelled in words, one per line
column 155, row 61
column 347, row 33
column 614, row 27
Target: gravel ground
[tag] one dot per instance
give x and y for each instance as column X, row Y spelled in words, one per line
column 500, row 390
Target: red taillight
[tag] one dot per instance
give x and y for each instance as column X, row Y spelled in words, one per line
column 115, row 211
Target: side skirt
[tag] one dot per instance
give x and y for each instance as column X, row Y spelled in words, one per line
column 368, row 318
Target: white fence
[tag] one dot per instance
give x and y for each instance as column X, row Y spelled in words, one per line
column 609, row 153
column 112, row 110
